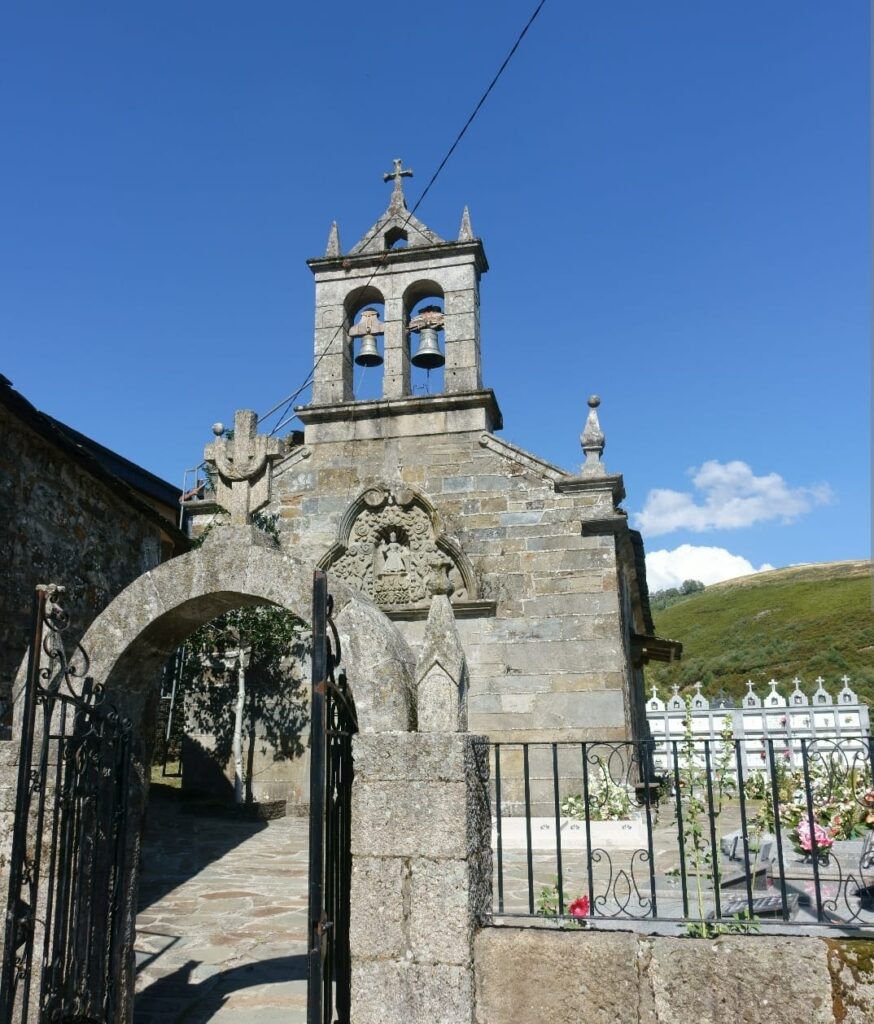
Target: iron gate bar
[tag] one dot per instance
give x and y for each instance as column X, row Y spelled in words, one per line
column 75, row 809
column 333, row 724
column 317, row 797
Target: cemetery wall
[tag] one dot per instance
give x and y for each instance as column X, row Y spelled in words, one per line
column 525, row 975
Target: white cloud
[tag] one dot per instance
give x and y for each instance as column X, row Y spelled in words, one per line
column 696, row 562
column 733, row 496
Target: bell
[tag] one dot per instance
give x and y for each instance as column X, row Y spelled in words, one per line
column 428, row 355
column 368, row 354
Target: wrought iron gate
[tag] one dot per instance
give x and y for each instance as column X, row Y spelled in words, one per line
column 332, row 727
column 64, row 919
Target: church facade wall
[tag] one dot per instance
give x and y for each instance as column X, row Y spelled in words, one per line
column 546, row 658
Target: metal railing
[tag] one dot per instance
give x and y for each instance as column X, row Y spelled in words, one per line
column 685, row 833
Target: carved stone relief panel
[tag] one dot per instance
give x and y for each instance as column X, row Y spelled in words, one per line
column 391, row 548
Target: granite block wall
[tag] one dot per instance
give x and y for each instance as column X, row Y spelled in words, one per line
column 60, row 525
column 548, row 657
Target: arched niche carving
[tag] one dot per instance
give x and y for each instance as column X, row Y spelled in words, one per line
column 389, row 543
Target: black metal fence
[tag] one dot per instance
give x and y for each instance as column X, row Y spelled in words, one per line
column 693, row 833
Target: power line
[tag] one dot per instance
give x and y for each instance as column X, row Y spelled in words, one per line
column 286, row 402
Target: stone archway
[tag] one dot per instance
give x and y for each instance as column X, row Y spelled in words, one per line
column 126, row 646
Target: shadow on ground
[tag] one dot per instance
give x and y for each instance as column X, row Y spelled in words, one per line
column 178, row 844
column 222, row 921
column 180, row 999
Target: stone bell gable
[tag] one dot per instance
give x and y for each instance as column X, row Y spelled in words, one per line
column 543, row 578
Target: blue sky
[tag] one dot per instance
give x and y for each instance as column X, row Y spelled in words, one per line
column 673, row 198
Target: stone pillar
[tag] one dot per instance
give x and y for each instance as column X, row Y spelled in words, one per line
column 461, row 333
column 396, row 372
column 421, row 875
column 332, row 381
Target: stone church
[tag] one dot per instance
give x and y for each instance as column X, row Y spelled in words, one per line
column 410, row 494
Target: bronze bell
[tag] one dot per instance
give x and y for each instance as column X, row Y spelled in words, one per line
column 368, row 354
column 428, row 355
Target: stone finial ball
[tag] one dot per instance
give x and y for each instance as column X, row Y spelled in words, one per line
column 594, row 401
column 218, row 429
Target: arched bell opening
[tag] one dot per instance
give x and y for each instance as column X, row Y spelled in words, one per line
column 365, row 329
column 424, row 320
column 396, row 238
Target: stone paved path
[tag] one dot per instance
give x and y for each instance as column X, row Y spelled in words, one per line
column 221, row 931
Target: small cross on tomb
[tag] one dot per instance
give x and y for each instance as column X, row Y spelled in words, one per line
column 242, row 483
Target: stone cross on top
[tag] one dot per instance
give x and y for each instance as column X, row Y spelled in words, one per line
column 242, row 477
column 399, row 172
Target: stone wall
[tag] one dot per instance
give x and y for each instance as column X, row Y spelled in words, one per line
column 59, row 524
column 421, row 875
column 527, row 975
column 62, row 520
column 543, row 631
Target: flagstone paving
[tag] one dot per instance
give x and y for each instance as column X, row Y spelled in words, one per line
column 221, row 930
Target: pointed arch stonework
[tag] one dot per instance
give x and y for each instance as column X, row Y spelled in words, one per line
column 390, row 542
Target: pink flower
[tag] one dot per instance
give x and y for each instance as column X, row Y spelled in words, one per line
column 787, row 755
column 823, row 838
column 579, row 907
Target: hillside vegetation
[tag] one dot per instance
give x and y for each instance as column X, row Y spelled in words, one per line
column 808, row 621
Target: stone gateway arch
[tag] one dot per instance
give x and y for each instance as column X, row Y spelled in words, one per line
column 124, row 650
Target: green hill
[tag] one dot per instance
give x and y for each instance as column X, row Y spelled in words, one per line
column 808, row 621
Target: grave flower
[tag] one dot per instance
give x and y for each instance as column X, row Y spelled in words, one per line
column 822, row 836
column 579, row 907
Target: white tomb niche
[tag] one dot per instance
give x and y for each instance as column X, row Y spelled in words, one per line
column 774, row 699
column 847, row 696
column 798, row 698
column 821, row 696
column 676, row 702
column 751, row 699
column 654, row 703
